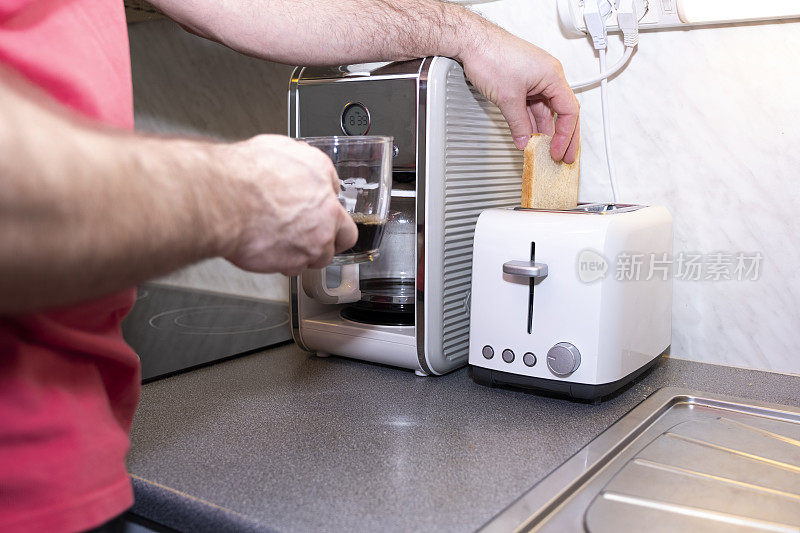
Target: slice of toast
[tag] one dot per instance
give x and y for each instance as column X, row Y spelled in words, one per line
column 547, row 184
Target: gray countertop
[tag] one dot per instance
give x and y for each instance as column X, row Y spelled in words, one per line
column 283, row 441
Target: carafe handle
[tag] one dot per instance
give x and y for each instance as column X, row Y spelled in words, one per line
column 315, row 285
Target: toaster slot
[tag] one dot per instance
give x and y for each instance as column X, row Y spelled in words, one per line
column 531, row 286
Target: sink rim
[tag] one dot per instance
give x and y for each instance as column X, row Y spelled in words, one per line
column 539, row 503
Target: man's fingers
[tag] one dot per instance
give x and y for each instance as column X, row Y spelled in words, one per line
column 566, row 126
column 346, row 234
column 534, row 124
column 516, row 114
column 567, row 109
column 324, row 260
column 574, row 145
column 543, row 116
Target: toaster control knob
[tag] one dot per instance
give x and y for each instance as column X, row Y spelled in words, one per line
column 563, row 359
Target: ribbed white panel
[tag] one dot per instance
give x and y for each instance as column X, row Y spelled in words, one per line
column 483, row 169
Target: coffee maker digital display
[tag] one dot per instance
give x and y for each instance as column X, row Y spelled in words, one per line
column 355, row 119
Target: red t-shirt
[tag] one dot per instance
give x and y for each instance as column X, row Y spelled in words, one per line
column 68, row 382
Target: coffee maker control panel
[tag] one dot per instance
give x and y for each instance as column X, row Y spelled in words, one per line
column 362, row 106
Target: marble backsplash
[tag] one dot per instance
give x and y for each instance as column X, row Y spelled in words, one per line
column 705, row 122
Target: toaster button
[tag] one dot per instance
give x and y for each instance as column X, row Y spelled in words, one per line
column 563, row 359
column 508, row 355
column 529, row 359
column 488, row 352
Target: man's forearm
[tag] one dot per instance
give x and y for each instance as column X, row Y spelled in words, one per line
column 86, row 211
column 526, row 83
column 328, row 32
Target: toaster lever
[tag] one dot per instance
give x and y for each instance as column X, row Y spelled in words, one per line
column 528, row 269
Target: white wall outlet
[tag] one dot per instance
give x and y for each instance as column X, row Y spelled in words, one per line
column 653, row 14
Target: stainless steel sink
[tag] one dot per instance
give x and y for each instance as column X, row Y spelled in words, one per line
column 680, row 461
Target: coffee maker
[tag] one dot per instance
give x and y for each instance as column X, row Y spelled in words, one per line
column 453, row 158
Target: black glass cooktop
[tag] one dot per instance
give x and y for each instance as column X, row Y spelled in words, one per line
column 174, row 329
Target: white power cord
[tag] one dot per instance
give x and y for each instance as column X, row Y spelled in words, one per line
column 607, row 126
column 605, row 73
column 594, row 14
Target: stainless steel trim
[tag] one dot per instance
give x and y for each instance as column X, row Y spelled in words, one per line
column 598, row 208
column 534, row 509
column 294, row 312
column 294, row 297
column 293, row 83
column 422, row 122
column 604, row 208
column 317, row 81
column 529, row 269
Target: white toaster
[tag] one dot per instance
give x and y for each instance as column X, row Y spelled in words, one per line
column 576, row 302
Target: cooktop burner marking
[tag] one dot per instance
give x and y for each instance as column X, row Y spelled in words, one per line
column 218, row 320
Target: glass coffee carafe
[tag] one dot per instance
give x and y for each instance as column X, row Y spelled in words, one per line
column 364, row 168
column 387, row 283
column 377, row 286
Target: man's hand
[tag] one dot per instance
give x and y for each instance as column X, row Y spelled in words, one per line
column 291, row 217
column 529, row 87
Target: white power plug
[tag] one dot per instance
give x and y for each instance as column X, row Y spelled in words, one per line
column 628, row 21
column 595, row 13
column 652, row 14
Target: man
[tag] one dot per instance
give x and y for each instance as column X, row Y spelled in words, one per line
column 89, row 209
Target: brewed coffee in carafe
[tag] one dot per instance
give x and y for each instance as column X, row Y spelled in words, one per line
column 387, row 282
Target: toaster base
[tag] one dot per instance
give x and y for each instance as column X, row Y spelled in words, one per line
column 580, row 391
